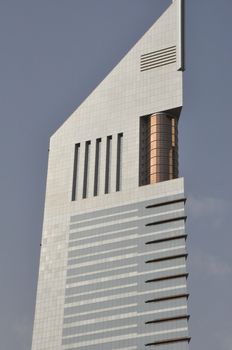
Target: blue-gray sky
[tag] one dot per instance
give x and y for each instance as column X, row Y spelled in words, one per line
column 52, row 54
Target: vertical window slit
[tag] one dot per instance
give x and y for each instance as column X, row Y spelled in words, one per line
column 96, row 170
column 86, row 169
column 75, row 171
column 119, row 163
column 108, row 165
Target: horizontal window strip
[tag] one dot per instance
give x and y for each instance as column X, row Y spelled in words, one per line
column 94, row 219
column 122, row 296
column 71, row 259
column 170, row 297
column 126, row 256
column 109, row 251
column 150, row 206
column 103, row 242
column 124, row 337
column 129, row 269
column 106, row 242
column 101, row 341
column 166, row 221
column 99, row 213
column 170, row 341
column 101, row 331
column 168, row 278
column 75, row 337
column 104, row 279
column 100, row 225
column 106, row 260
column 131, row 255
column 102, row 271
column 129, row 285
column 174, row 229
column 167, row 239
column 170, row 309
column 132, row 229
column 111, row 223
column 98, row 311
column 103, row 222
column 103, row 290
column 121, row 316
column 167, row 258
column 164, row 250
column 169, row 319
column 160, row 290
column 167, row 289
column 128, row 208
column 125, row 275
column 103, row 234
column 101, row 320
column 183, row 329
column 103, row 299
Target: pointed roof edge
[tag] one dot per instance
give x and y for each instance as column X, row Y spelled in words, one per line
column 180, row 66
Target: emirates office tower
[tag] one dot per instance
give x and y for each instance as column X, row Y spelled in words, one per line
column 113, row 254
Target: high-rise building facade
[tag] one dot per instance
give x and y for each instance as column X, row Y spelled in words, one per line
column 113, row 257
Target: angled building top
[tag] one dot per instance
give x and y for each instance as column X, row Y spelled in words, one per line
column 152, row 66
column 113, row 253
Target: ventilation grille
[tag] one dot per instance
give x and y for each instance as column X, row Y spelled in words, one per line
column 158, row 58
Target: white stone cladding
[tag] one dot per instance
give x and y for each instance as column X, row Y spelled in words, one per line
column 114, row 107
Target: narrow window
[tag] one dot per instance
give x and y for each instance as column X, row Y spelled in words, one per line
column 75, row 171
column 144, row 150
column 86, row 169
column 96, row 170
column 108, row 163
column 119, row 162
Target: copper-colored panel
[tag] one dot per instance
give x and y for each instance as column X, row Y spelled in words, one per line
column 159, row 168
column 159, row 177
column 161, row 128
column 163, row 149
column 154, row 179
column 159, row 160
column 160, row 118
column 156, row 152
column 163, row 144
column 161, row 137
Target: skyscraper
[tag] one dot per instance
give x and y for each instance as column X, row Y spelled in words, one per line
column 113, row 256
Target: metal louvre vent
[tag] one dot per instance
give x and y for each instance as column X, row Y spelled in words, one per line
column 158, row 58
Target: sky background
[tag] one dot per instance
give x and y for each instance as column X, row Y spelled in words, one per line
column 53, row 53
